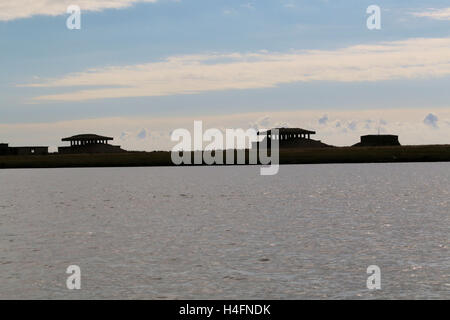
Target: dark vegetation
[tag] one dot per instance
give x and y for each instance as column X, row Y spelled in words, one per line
column 425, row 153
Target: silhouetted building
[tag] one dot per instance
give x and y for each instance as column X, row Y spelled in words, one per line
column 289, row 138
column 5, row 149
column 89, row 143
column 28, row 150
column 378, row 140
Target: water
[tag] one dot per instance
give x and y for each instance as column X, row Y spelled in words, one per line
column 226, row 233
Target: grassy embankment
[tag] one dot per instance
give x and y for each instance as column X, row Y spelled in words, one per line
column 427, row 153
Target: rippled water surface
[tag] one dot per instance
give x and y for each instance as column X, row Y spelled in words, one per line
column 309, row 232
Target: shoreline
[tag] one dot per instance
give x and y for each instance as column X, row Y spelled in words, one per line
column 385, row 154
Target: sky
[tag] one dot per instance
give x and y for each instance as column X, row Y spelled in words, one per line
column 139, row 69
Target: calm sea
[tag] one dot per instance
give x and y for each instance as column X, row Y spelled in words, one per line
column 309, row 232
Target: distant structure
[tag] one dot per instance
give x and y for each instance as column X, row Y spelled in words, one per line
column 89, row 143
column 6, row 150
column 289, row 138
column 374, row 140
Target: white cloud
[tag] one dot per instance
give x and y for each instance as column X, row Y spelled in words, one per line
column 282, row 124
column 248, row 5
column 228, row 12
column 261, row 123
column 436, row 14
column 19, row 9
column 408, row 59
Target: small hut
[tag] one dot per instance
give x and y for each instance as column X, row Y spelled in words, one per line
column 374, row 140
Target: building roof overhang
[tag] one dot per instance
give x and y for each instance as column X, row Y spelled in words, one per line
column 86, row 137
column 288, row 131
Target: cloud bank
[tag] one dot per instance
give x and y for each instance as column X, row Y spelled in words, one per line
column 436, row 14
column 191, row 74
column 19, row 9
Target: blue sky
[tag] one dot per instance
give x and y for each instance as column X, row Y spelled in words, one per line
column 51, row 75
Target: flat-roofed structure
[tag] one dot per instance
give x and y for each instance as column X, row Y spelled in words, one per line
column 285, row 134
column 6, row 150
column 33, row 150
column 89, row 143
column 374, row 140
column 289, row 138
column 85, row 139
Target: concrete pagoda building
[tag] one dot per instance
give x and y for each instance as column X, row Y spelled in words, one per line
column 89, row 143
